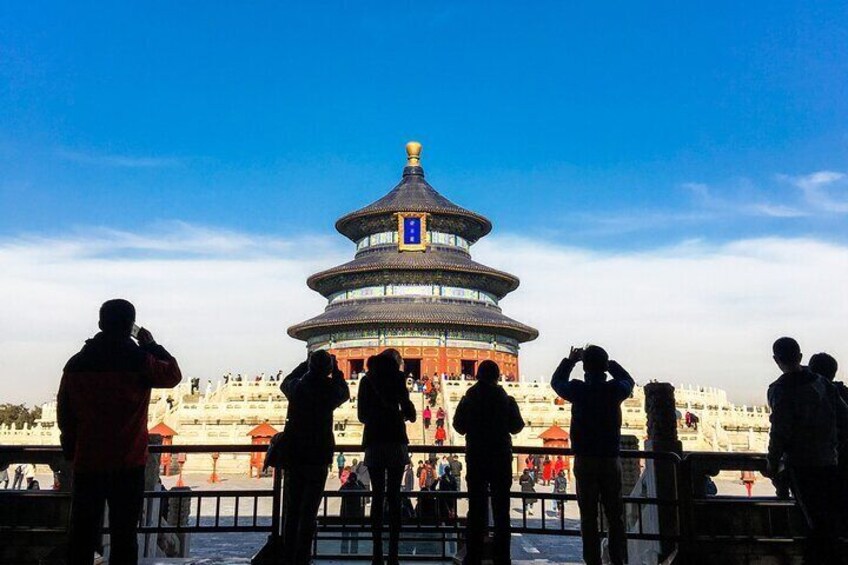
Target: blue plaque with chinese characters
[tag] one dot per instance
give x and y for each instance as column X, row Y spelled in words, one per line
column 412, row 232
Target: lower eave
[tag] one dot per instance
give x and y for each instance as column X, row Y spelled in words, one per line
column 383, row 313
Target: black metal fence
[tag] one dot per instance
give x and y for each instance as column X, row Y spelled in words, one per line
column 672, row 518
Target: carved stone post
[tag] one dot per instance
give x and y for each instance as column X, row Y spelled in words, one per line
column 662, row 474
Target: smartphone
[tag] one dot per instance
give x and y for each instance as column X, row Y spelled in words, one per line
column 134, row 331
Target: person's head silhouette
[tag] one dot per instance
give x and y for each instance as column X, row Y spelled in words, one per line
column 320, row 363
column 595, row 360
column 351, row 477
column 395, row 356
column 824, row 364
column 488, row 372
column 117, row 317
column 787, row 354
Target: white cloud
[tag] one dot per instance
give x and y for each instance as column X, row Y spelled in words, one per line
column 745, row 200
column 819, row 188
column 118, row 161
column 222, row 301
column 693, row 313
column 776, row 211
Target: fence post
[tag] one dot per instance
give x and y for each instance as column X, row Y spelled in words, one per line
column 272, row 552
column 150, row 511
column 662, row 475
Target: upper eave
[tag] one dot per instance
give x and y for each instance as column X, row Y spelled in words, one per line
column 413, row 194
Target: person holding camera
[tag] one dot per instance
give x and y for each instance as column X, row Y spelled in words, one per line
column 314, row 390
column 102, row 415
column 596, row 438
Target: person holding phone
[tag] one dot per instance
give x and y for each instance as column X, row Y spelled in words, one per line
column 102, row 415
column 596, row 440
column 314, row 390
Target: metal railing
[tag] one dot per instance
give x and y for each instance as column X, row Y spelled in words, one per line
column 234, row 511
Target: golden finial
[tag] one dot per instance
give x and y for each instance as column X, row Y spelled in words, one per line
column 413, row 154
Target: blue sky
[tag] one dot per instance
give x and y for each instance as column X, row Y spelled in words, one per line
column 609, row 127
column 669, row 181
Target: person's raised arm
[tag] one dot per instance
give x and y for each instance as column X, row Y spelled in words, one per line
column 406, row 405
column 292, row 379
column 341, row 391
column 516, row 422
column 623, row 381
column 363, row 400
column 841, row 421
column 561, row 382
column 162, row 369
column 781, row 428
column 66, row 419
column 460, row 417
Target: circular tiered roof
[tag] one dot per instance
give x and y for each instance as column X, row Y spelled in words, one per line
column 437, row 264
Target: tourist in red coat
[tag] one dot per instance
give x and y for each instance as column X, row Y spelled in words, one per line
column 441, row 435
column 427, row 414
column 102, row 416
column 440, row 416
column 559, row 465
column 547, row 471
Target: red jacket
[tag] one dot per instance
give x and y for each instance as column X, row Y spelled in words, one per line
column 441, row 434
column 103, row 400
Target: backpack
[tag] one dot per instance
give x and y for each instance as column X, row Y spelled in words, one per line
column 279, row 453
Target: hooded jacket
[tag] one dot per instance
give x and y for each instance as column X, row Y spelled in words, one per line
column 384, row 409
column 103, row 399
column 595, row 408
column 487, row 416
column 808, row 420
column 309, row 420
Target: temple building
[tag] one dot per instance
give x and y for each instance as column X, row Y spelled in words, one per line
column 412, row 285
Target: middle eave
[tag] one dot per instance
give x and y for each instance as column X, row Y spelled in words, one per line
column 434, row 266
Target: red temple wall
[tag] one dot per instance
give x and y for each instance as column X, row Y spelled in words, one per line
column 433, row 359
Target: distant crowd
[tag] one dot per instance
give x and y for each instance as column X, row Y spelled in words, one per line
column 23, row 477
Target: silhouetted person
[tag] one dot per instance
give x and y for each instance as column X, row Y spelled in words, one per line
column 383, row 407
column 19, row 477
column 314, row 390
column 352, row 507
column 456, row 469
column 102, row 416
column 808, row 422
column 560, row 487
column 487, row 416
column 447, row 483
column 826, row 366
column 528, row 486
column 596, row 439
